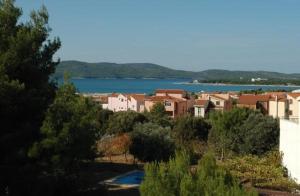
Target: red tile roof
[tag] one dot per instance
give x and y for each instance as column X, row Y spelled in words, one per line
column 218, row 97
column 201, row 102
column 163, row 98
column 138, row 97
column 253, row 99
column 174, row 91
column 294, row 95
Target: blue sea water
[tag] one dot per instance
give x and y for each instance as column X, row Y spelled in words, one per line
column 132, row 178
column 89, row 85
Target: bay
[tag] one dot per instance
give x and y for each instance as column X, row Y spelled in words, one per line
column 93, row 85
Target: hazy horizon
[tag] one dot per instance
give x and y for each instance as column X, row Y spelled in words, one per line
column 193, row 36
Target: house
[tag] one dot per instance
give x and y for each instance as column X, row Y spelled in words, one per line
column 124, row 102
column 251, row 101
column 101, row 99
column 278, row 106
column 289, row 141
column 201, row 107
column 293, row 109
column 218, row 101
column 177, row 93
column 174, row 106
column 221, row 102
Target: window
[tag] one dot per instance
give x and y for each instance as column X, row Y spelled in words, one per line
column 291, row 101
column 217, row 102
column 167, row 103
column 290, row 112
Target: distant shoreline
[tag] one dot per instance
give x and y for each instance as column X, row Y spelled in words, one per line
column 226, row 84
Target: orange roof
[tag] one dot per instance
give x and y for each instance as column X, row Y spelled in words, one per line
column 294, row 95
column 163, row 98
column 201, row 102
column 114, row 95
column 279, row 99
column 175, row 91
column 138, row 97
column 253, row 99
column 218, row 97
column 104, row 99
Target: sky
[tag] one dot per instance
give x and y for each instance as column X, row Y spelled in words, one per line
column 188, row 35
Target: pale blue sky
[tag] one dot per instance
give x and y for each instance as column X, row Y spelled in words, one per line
column 190, row 35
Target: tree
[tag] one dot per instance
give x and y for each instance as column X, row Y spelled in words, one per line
column 151, row 142
column 225, row 127
column 158, row 115
column 26, row 90
column 243, row 131
column 258, row 135
column 68, row 132
column 123, row 122
column 189, row 128
column 176, row 178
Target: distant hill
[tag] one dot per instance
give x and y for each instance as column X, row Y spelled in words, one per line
column 148, row 70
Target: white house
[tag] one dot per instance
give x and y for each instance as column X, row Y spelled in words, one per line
column 124, row 102
column 200, row 107
column 289, row 144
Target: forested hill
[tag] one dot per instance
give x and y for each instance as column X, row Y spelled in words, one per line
column 148, row 70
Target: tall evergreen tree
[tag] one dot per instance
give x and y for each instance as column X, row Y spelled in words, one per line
column 26, row 63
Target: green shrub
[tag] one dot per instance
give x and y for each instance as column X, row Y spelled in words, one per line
column 264, row 172
column 177, row 178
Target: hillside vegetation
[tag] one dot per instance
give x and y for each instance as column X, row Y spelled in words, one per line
column 148, row 70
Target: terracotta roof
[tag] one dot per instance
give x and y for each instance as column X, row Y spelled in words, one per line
column 201, row 102
column 294, row 95
column 279, row 99
column 252, row 99
column 138, row 97
column 114, row 95
column 175, row 91
column 163, row 98
column 218, row 97
column 104, row 99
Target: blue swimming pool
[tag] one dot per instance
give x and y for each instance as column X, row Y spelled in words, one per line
column 132, row 178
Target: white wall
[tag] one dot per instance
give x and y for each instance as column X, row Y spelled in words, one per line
column 199, row 111
column 289, row 145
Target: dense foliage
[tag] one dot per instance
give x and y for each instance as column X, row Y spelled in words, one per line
column 176, row 178
column 151, row 142
column 243, row 131
column 122, row 122
column 146, row 70
column 158, row 115
column 26, row 64
column 68, row 132
column 265, row 172
column 190, row 128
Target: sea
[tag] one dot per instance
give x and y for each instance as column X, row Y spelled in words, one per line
column 94, row 85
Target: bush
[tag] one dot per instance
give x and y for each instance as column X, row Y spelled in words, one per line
column 190, row 128
column 243, row 131
column 151, row 142
column 264, row 172
column 123, row 122
column 176, row 178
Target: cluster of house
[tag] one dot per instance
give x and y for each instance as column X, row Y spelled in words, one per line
column 283, row 105
column 276, row 104
column 178, row 102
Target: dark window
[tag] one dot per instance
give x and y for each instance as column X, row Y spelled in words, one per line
column 167, row 103
column 217, row 102
column 290, row 112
